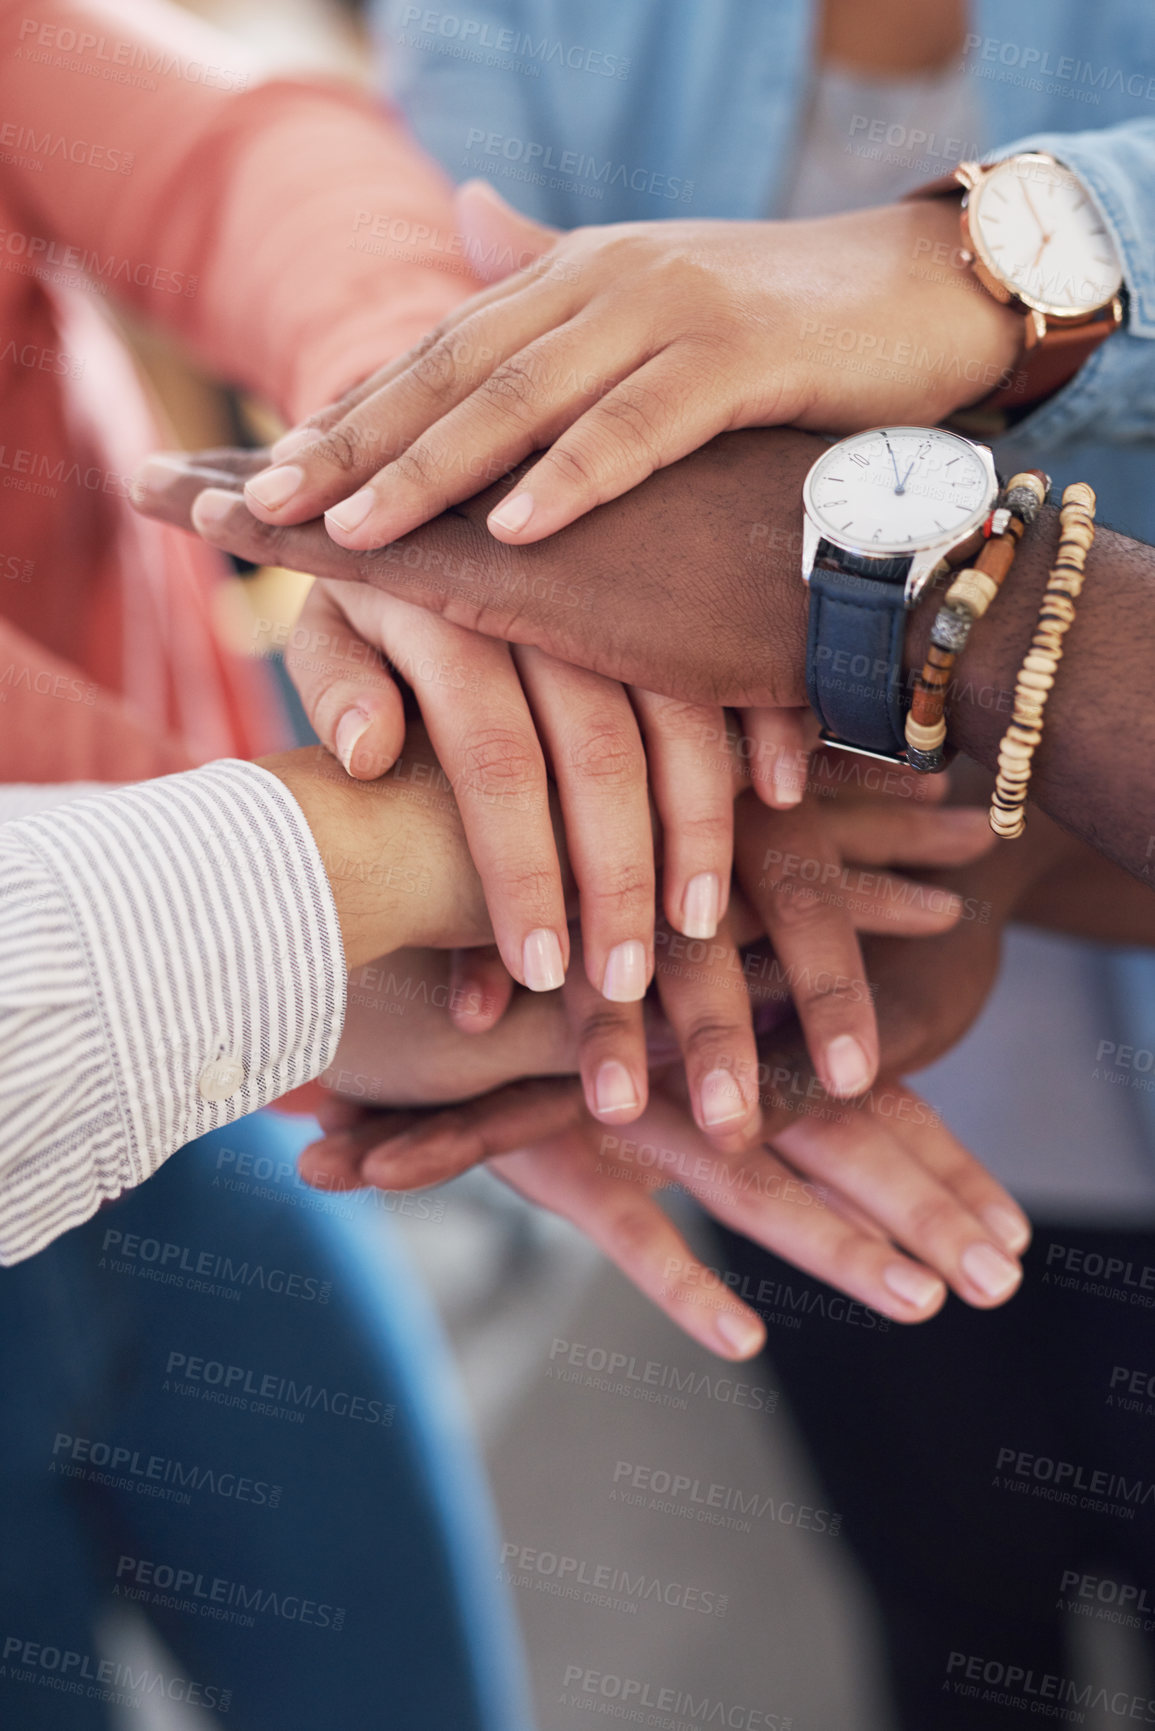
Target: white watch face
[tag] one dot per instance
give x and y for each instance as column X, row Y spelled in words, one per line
column 896, row 489
column 1037, row 230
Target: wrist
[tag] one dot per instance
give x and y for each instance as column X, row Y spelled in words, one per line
column 987, row 336
column 393, row 851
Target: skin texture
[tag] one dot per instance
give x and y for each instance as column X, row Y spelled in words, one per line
column 689, row 586
column 625, row 347
column 892, row 1226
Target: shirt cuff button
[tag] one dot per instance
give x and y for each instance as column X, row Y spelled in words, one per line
column 220, row 1079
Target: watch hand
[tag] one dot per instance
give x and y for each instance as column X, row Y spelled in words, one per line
column 1033, row 211
column 898, row 485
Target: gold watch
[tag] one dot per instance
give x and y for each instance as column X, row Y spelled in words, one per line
column 1036, row 241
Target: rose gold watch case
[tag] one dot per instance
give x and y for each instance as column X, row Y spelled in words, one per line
column 970, row 175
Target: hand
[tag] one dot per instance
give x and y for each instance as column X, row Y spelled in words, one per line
column 398, row 867
column 878, row 1199
column 815, row 877
column 500, row 720
column 689, row 586
column 625, row 348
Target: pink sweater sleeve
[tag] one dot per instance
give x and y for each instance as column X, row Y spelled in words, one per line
column 291, row 231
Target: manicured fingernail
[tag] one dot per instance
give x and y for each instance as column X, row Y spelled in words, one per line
column 351, row 728
column 722, row 1101
column 701, row 904
column 1009, row 1227
column 913, row 1285
column 614, row 1089
column 987, row 1268
column 351, row 512
column 541, row 961
column 789, row 782
column 513, row 513
column 624, row 980
column 847, row 1066
column 294, row 440
column 743, row 1334
column 212, row 508
column 273, row 488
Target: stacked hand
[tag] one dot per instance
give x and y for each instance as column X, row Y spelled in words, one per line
column 622, row 650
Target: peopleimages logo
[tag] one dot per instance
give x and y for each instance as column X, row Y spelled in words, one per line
column 153, row 1475
column 267, row 1392
column 604, row 1584
column 73, row 1673
column 215, row 1597
column 204, row 1270
column 590, row 1689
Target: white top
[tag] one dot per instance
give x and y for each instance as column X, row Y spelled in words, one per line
column 170, row 959
column 867, row 141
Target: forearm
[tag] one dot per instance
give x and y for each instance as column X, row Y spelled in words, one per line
column 1094, row 771
column 178, row 941
column 393, row 851
column 292, row 231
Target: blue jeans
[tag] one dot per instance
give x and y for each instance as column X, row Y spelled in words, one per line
column 228, row 1404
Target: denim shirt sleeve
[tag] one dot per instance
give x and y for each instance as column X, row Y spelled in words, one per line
column 1112, row 396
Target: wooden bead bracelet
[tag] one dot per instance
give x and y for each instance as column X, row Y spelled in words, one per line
column 1041, row 662
column 967, row 599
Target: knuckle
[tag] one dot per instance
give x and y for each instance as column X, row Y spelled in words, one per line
column 500, row 761
column 343, row 447
column 608, row 756
column 573, row 464
column 602, row 1026
column 419, row 466
column 826, row 992
column 711, row 829
column 629, row 1231
column 620, row 891
column 707, row 1035
column 797, row 908
column 637, row 411
column 931, row 1218
column 512, row 387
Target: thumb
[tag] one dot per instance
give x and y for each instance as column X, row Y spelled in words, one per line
column 498, row 239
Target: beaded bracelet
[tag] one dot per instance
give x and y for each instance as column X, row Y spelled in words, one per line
column 1041, row 662
column 967, row 599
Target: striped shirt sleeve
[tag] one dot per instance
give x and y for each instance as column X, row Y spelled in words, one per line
column 170, row 959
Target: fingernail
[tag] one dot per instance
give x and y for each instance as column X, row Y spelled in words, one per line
column 294, row 440
column 513, row 513
column 789, row 783
column 351, row 728
column 624, row 981
column 212, row 508
column 987, row 1268
column 614, row 1089
column 273, row 488
column 743, row 1334
column 541, row 961
column 701, row 904
column 847, row 1067
column 1009, row 1227
column 380, row 1167
column 913, row 1285
column 722, row 1101
column 156, row 473
column 351, row 512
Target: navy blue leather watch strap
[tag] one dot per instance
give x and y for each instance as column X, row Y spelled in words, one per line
column 854, row 658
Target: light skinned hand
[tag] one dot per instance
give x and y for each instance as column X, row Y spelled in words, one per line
column 622, row 348
column 506, row 723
